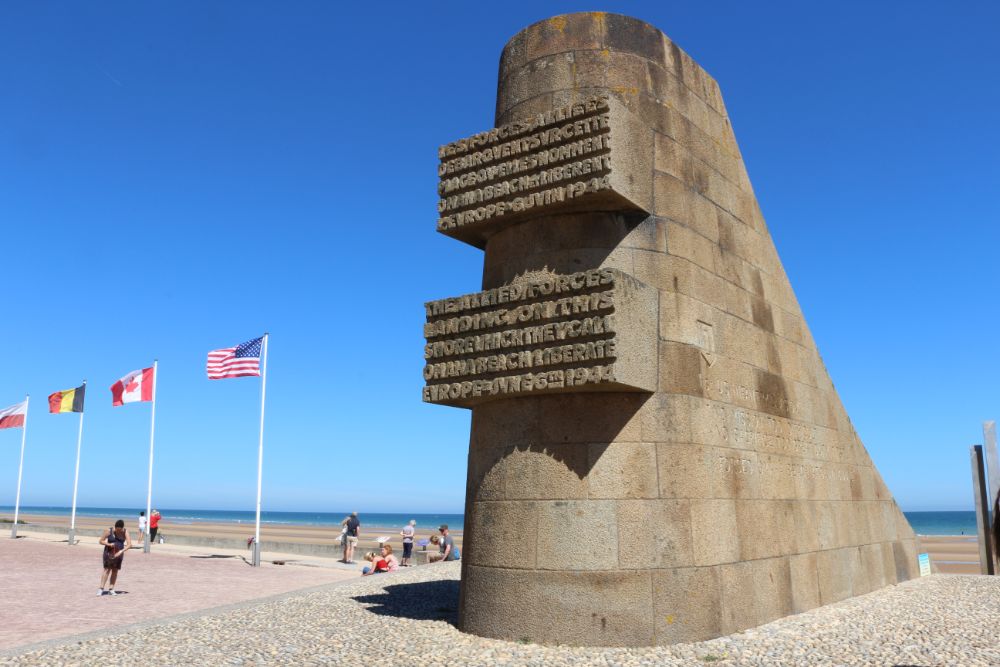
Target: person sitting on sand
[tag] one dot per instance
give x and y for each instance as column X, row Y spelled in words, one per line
column 407, row 533
column 391, row 563
column 446, row 545
column 116, row 542
column 378, row 564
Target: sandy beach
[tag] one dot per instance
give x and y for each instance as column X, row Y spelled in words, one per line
column 237, row 533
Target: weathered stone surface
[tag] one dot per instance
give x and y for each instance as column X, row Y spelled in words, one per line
column 712, row 481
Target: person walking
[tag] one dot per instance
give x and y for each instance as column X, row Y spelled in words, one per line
column 142, row 527
column 353, row 532
column 407, row 533
column 154, row 525
column 116, row 542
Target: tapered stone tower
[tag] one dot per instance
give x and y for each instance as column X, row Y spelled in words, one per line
column 657, row 452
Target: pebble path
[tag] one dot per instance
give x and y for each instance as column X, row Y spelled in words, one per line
column 408, row 619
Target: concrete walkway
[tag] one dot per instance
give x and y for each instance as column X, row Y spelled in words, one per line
column 50, row 588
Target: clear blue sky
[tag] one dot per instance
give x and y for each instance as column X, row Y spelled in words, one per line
column 176, row 177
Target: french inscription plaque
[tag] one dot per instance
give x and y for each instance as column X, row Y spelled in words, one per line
column 581, row 156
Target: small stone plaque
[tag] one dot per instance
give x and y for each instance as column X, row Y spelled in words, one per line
column 592, row 330
column 589, row 156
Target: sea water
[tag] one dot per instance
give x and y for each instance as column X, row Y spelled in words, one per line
column 176, row 516
column 924, row 523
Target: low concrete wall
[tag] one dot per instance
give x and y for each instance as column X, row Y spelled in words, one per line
column 300, row 549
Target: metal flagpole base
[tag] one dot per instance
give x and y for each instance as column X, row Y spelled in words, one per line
column 72, row 537
column 256, row 555
column 13, row 531
column 145, row 545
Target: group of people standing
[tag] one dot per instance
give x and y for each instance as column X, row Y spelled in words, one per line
column 384, row 560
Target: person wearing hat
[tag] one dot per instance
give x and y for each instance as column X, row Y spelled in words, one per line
column 446, row 546
column 353, row 531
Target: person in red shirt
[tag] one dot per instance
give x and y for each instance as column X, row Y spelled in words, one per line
column 378, row 564
column 154, row 525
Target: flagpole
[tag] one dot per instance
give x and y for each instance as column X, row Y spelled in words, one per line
column 76, row 479
column 149, row 488
column 20, row 467
column 260, row 455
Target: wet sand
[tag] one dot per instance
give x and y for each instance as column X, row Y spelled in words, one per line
column 951, row 554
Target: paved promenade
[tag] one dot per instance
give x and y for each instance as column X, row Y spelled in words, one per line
column 50, row 589
column 407, row 618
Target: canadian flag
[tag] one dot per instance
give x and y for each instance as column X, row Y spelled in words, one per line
column 134, row 387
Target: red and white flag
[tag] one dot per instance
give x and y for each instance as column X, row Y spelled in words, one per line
column 235, row 362
column 13, row 417
column 134, row 387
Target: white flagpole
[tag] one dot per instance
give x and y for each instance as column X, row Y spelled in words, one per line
column 260, row 453
column 76, row 475
column 20, row 468
column 149, row 488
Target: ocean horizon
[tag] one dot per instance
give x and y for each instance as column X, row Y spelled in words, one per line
column 923, row 523
column 185, row 516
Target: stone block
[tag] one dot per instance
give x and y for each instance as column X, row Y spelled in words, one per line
column 766, row 528
column 568, row 32
column 592, row 417
column 805, row 518
column 714, row 532
column 683, row 242
column 577, row 535
column 673, row 200
column 535, row 471
column 841, row 574
column 687, row 604
column 804, row 582
column 505, row 534
column 665, row 418
column 685, row 470
column 622, row 470
column 755, row 592
column 606, row 608
column 873, row 562
column 654, row 534
column 681, row 368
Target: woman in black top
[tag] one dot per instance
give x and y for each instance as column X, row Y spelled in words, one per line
column 116, row 541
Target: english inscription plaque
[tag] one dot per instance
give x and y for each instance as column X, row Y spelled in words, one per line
column 588, row 330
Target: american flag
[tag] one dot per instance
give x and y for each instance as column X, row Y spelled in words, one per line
column 235, row 362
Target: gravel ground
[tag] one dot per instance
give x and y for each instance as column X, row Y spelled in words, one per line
column 408, row 619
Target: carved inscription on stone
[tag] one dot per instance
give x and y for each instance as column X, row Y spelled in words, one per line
column 546, row 163
column 557, row 333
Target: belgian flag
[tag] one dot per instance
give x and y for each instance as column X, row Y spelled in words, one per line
column 70, row 400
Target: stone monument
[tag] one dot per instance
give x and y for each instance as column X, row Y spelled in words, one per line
column 657, row 453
